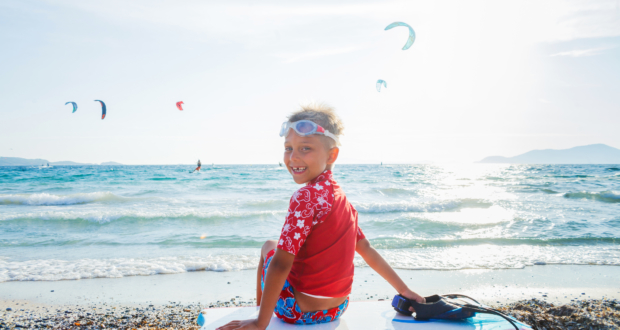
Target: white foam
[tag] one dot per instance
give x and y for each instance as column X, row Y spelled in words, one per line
column 56, row 270
column 489, row 256
column 104, row 215
column 404, row 206
column 50, row 199
column 484, row 256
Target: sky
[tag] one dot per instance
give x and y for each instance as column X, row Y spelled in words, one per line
column 483, row 78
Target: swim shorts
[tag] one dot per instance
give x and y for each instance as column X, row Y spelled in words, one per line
column 287, row 309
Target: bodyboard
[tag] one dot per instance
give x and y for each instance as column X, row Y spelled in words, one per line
column 363, row 315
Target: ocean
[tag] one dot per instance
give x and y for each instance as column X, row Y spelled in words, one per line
column 79, row 222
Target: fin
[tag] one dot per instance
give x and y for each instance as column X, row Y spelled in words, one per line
column 436, row 307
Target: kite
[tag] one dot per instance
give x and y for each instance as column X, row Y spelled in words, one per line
column 179, row 105
column 74, row 105
column 411, row 33
column 102, row 109
column 379, row 82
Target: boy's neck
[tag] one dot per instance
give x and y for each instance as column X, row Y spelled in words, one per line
column 313, row 179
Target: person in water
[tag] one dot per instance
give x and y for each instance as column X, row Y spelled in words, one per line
column 306, row 276
column 199, row 165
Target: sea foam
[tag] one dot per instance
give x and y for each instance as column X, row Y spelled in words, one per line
column 56, row 270
column 50, row 199
column 603, row 196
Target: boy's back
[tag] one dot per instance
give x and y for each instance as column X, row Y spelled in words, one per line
column 328, row 234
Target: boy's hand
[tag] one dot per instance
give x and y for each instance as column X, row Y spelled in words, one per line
column 413, row 296
column 245, row 325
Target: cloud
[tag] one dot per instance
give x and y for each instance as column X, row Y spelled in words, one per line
column 581, row 52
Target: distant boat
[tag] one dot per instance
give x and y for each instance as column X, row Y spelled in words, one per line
column 46, row 166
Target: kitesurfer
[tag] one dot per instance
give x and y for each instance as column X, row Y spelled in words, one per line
column 199, row 165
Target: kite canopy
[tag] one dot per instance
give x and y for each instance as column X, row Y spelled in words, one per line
column 102, row 109
column 74, row 105
column 379, row 83
column 179, row 105
column 411, row 33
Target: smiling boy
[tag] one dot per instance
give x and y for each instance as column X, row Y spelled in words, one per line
column 306, row 276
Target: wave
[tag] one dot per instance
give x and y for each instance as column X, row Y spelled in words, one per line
column 604, row 196
column 490, row 256
column 56, row 270
column 613, row 169
column 113, row 214
column 50, row 199
column 404, row 206
column 405, row 242
column 479, row 256
column 415, row 206
column 397, row 192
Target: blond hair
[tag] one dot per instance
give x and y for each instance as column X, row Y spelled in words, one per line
column 321, row 114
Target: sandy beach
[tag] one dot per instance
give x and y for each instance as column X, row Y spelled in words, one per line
column 181, row 296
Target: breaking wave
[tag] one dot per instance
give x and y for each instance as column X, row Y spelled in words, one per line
column 604, row 196
column 49, row 199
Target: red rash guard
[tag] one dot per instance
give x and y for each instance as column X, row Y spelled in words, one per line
column 321, row 230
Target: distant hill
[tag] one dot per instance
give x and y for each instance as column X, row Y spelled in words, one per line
column 67, row 162
column 16, row 161
column 590, row 154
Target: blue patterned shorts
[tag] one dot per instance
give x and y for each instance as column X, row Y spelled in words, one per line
column 287, row 309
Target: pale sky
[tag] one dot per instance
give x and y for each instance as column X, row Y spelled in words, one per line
column 482, row 78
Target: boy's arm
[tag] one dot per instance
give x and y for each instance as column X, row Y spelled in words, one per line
column 376, row 262
column 277, row 272
column 259, row 273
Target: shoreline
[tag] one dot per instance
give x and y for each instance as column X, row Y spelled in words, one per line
column 541, row 295
column 551, row 283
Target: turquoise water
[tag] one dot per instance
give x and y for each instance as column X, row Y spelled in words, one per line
column 73, row 222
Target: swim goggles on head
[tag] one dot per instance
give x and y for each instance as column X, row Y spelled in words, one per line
column 305, row 128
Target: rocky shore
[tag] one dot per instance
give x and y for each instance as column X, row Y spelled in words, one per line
column 581, row 314
column 103, row 316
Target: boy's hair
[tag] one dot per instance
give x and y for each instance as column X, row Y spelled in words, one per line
column 322, row 114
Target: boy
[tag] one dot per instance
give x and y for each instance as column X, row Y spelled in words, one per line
column 306, row 276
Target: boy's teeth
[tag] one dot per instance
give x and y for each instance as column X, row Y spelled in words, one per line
column 299, row 169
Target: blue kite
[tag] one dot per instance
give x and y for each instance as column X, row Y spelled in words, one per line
column 379, row 83
column 411, row 33
column 102, row 109
column 74, row 105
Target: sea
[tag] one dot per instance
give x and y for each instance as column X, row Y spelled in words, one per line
column 81, row 222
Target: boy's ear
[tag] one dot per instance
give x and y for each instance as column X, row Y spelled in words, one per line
column 333, row 155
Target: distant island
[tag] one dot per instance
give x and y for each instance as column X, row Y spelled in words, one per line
column 16, row 161
column 590, row 154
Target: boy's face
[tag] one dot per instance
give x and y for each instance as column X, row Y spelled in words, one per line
column 307, row 156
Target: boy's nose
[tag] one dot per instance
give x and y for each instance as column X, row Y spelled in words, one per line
column 294, row 156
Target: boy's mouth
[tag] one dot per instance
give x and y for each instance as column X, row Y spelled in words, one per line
column 298, row 170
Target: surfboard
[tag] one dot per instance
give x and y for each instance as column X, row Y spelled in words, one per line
column 363, row 315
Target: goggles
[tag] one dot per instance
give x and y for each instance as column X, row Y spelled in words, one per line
column 305, row 128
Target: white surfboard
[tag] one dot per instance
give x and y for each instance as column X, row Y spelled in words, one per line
column 363, row 315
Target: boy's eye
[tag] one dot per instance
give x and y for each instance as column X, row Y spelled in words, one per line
column 288, row 148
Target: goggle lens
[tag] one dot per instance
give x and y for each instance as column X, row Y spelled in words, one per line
column 305, row 127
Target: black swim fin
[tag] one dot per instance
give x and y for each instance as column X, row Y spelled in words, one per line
column 444, row 307
column 436, row 307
